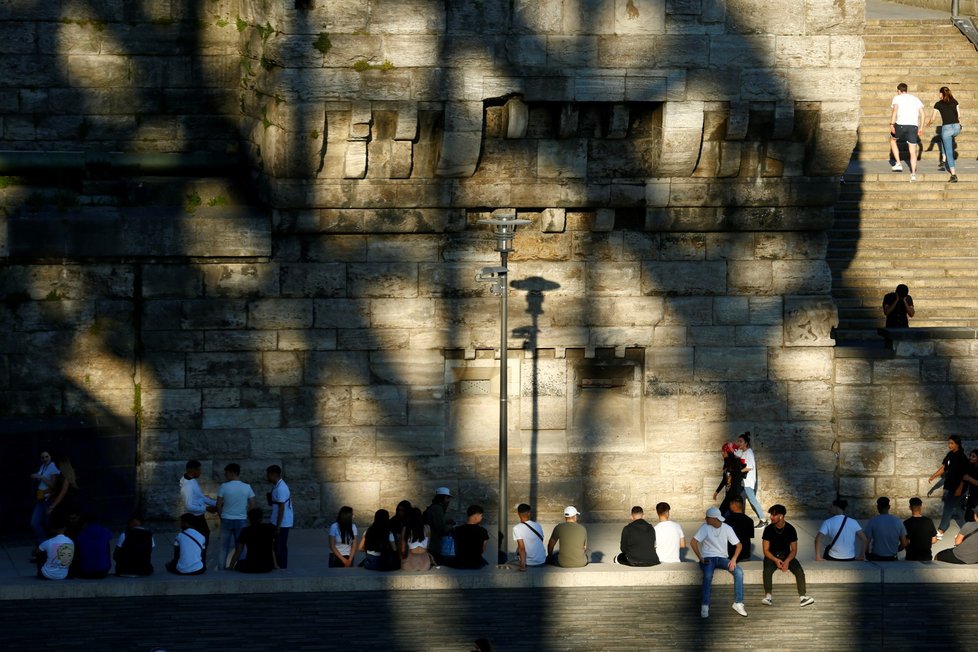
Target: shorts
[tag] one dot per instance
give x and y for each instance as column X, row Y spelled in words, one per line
column 905, row 132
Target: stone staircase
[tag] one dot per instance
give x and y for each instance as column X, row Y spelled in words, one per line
column 887, row 230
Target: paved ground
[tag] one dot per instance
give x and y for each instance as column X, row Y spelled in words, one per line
column 901, row 617
column 880, row 10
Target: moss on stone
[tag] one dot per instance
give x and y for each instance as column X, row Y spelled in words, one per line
column 322, row 43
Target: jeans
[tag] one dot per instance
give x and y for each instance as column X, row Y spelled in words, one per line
column 948, row 133
column 230, row 531
column 708, row 565
column 751, row 496
column 953, row 509
column 39, row 521
column 282, row 547
column 770, row 568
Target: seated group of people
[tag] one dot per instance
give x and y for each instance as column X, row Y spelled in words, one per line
column 411, row 540
column 841, row 538
column 81, row 548
column 642, row 544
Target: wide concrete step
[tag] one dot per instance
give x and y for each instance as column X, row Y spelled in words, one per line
column 868, row 267
column 871, row 296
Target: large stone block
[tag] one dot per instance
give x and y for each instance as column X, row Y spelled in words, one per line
column 274, row 442
column 801, row 364
column 731, row 363
column 242, row 340
column 337, row 368
column 412, row 368
column 402, row 313
column 383, row 280
column 750, row 277
column 810, row 401
column 759, row 401
column 896, row 371
column 409, row 441
column 344, row 442
column 379, row 405
column 251, row 418
column 756, row 17
column 313, row 280
column 867, row 458
column 613, row 279
column 681, row 277
column 223, row 370
column 923, row 400
column 281, row 368
column 852, row 371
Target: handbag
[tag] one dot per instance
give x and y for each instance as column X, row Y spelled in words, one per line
column 447, row 546
column 828, row 548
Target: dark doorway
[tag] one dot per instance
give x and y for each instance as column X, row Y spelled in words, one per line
column 105, row 463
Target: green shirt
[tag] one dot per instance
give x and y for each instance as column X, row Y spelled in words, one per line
column 572, row 540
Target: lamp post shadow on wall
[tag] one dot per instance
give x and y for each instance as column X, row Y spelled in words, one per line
column 535, row 287
column 504, row 223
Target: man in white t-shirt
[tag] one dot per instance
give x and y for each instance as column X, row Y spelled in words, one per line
column 669, row 536
column 842, row 534
column 709, row 544
column 188, row 549
column 234, row 499
column 528, row 536
column 280, row 499
column 906, row 124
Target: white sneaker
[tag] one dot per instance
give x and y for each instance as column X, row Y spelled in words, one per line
column 705, row 611
column 804, row 601
column 940, row 536
column 739, row 608
column 767, row 601
column 897, row 168
column 913, row 177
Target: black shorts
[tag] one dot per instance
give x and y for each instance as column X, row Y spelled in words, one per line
column 905, row 132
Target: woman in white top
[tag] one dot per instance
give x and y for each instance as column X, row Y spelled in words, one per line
column 343, row 539
column 414, row 543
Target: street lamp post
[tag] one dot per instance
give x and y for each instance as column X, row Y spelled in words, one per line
column 504, row 223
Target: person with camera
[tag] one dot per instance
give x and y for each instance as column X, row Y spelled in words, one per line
column 898, row 307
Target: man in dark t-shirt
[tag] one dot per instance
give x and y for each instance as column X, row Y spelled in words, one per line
column 637, row 542
column 257, row 541
column 743, row 527
column 898, row 307
column 780, row 541
column 921, row 533
column 470, row 540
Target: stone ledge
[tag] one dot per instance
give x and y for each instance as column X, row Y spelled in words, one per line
column 929, row 333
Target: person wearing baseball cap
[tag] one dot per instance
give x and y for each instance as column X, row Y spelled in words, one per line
column 570, row 539
column 710, row 546
column 441, row 526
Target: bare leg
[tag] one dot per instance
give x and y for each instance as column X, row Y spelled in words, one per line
column 894, row 150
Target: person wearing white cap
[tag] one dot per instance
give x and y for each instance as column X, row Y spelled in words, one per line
column 571, row 537
column 710, row 546
column 434, row 517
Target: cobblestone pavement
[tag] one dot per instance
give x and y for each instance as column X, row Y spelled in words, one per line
column 861, row 617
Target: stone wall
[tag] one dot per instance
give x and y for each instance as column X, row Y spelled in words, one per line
column 896, row 413
column 678, row 160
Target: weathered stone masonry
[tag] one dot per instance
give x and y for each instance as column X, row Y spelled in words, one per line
column 678, row 159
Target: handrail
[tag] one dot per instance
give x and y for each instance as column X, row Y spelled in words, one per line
column 967, row 27
column 955, row 8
